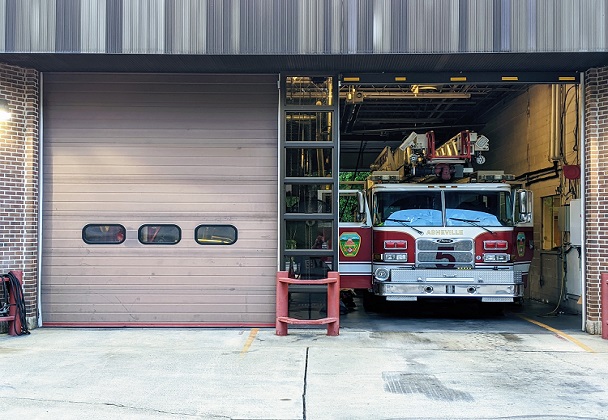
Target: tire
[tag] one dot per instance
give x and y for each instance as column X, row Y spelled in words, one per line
column 372, row 303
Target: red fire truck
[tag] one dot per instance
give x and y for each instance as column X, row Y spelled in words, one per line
column 429, row 226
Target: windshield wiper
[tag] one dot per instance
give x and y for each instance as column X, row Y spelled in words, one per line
column 473, row 223
column 404, row 223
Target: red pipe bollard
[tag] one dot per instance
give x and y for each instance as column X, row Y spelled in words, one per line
column 604, row 303
column 333, row 303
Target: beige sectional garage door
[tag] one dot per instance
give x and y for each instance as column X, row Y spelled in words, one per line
column 137, row 149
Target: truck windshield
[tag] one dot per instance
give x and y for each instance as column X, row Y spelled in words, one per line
column 482, row 208
column 407, row 208
column 424, row 208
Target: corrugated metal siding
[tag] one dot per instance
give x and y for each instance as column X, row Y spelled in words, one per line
column 93, row 27
column 182, row 149
column 303, row 27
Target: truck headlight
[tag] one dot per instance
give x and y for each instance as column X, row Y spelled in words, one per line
column 381, row 274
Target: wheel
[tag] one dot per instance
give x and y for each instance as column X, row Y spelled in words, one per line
column 372, row 302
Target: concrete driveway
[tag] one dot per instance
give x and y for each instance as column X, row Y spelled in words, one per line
column 494, row 368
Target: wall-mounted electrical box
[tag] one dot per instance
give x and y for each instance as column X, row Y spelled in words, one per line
column 576, row 222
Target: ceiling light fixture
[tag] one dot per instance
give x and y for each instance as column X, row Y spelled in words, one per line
column 5, row 112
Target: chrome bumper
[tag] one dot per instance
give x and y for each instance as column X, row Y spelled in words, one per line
column 489, row 285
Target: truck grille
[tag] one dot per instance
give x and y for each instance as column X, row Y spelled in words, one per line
column 445, row 253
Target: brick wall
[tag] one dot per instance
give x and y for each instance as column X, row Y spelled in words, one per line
column 19, row 166
column 596, row 186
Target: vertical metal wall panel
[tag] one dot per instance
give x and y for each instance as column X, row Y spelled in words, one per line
column 93, row 27
column 10, row 16
column 143, row 30
column 219, row 26
column 432, row 26
column 269, row 27
column 545, row 29
column 399, row 26
column 532, row 25
column 569, row 28
column 563, row 32
column 68, row 25
column 3, row 18
column 149, row 148
column 187, row 29
column 504, row 25
column 365, row 31
column 290, row 35
column 35, row 23
column 261, row 26
column 382, row 27
column 479, row 21
column 235, row 25
column 310, row 30
column 593, row 27
column 335, row 26
column 114, row 23
column 519, row 27
column 351, row 27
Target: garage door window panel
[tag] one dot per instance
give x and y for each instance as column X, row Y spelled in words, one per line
column 98, row 234
column 215, row 234
column 159, row 234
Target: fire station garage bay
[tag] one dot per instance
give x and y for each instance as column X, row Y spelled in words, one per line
column 161, row 164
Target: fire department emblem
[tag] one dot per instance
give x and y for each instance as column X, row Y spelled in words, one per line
column 521, row 244
column 350, row 243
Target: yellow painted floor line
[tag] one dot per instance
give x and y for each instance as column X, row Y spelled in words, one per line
column 560, row 333
column 252, row 334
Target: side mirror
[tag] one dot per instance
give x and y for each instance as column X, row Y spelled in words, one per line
column 361, row 202
column 524, row 201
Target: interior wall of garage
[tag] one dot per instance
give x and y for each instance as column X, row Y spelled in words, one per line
column 19, row 180
column 183, row 149
column 520, row 134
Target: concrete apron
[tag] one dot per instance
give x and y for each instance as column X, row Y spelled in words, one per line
column 255, row 374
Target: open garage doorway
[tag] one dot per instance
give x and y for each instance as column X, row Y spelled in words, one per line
column 532, row 123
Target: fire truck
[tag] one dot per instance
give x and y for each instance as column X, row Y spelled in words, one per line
column 429, row 225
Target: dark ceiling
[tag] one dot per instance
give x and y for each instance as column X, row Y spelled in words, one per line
column 384, row 115
column 378, row 114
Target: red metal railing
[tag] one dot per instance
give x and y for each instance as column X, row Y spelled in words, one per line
column 333, row 303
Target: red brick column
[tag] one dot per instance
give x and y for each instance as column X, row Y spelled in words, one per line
column 596, row 190
column 19, row 166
